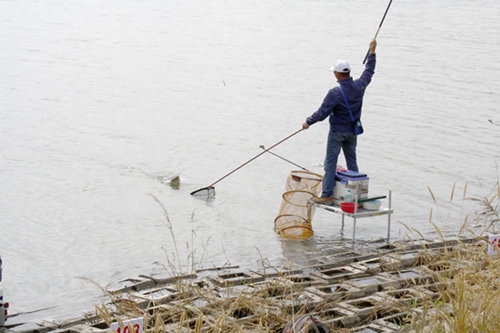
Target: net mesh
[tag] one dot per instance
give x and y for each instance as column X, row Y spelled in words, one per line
column 296, row 213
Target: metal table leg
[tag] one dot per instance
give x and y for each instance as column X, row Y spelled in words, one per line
column 354, row 229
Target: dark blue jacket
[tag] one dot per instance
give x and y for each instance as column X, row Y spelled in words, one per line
column 334, row 105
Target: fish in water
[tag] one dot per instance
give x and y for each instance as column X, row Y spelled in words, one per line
column 175, row 182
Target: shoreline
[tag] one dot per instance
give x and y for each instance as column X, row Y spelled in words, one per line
column 345, row 294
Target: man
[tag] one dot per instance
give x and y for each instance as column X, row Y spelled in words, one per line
column 341, row 134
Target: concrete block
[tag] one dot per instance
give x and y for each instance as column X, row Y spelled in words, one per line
column 367, row 257
column 389, row 262
column 270, row 272
column 338, row 291
column 296, row 302
column 338, row 317
column 373, row 284
column 126, row 285
column 237, row 278
column 323, row 266
column 342, row 259
column 158, row 295
column 234, row 291
column 160, row 278
column 42, row 327
column 364, row 307
column 403, row 297
column 371, row 266
column 203, row 284
column 337, row 274
column 146, row 282
column 373, row 307
column 274, row 286
column 304, row 280
column 434, row 290
column 172, row 292
column 411, row 277
column 87, row 329
column 408, row 259
column 387, row 247
column 399, row 322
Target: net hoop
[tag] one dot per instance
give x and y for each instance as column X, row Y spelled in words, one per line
column 286, row 197
column 304, row 220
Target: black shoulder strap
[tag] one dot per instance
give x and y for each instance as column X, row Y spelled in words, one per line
column 346, row 102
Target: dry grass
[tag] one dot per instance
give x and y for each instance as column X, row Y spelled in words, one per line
column 468, row 298
column 463, row 295
column 469, row 278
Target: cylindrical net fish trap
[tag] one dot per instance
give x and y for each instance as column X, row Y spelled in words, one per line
column 296, row 213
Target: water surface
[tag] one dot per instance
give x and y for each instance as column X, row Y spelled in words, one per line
column 104, row 102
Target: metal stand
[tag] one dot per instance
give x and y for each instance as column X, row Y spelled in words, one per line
column 361, row 213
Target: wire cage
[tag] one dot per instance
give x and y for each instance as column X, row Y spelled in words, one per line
column 296, row 212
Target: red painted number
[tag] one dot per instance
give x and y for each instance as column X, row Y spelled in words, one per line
column 127, row 330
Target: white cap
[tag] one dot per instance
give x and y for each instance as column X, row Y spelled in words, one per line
column 341, row 66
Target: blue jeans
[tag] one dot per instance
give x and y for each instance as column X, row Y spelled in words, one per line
column 346, row 141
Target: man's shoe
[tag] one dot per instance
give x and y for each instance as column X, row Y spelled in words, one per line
column 323, row 200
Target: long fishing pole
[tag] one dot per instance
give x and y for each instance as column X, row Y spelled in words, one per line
column 284, row 159
column 210, row 188
column 380, row 26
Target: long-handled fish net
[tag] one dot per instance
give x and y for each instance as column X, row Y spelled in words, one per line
column 209, row 191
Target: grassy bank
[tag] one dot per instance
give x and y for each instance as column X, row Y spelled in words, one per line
column 444, row 286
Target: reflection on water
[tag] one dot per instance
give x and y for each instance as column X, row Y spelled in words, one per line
column 318, row 250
